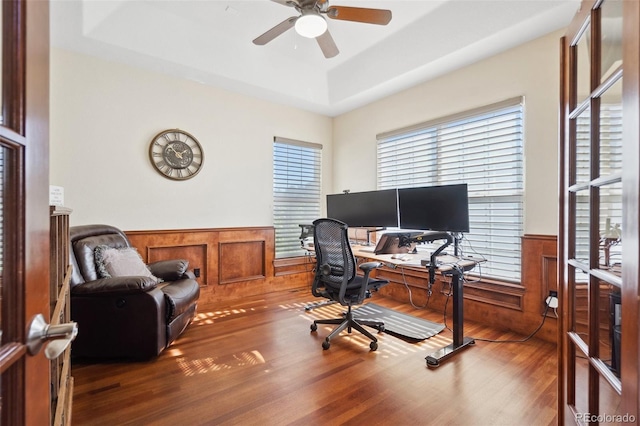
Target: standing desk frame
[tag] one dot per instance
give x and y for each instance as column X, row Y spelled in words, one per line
column 459, row 341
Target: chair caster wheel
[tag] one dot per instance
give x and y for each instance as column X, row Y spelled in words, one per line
column 326, row 345
column 373, row 346
column 314, row 326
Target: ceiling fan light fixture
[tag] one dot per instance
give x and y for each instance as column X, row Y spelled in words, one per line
column 311, row 25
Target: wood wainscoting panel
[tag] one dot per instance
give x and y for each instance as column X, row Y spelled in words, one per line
column 241, row 261
column 539, row 270
column 502, row 295
column 295, row 265
column 233, row 262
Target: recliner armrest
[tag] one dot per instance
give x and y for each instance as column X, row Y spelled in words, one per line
column 116, row 285
column 169, row 270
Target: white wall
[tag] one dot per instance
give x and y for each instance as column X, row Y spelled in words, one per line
column 103, row 117
column 531, row 70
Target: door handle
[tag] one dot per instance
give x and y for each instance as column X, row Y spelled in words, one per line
column 58, row 336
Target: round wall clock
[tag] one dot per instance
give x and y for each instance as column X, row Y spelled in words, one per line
column 176, row 154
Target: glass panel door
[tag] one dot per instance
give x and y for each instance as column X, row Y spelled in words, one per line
column 593, row 223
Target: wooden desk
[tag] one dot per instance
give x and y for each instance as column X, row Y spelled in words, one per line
column 447, row 266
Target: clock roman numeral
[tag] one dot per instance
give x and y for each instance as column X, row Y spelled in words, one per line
column 167, row 170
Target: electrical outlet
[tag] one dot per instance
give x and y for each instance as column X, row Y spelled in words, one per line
column 552, row 299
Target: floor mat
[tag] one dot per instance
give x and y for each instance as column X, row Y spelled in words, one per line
column 399, row 324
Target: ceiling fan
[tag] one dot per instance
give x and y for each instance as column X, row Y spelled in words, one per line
column 310, row 23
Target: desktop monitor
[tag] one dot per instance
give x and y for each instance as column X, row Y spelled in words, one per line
column 365, row 209
column 435, row 208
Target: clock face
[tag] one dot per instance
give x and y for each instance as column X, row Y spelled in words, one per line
column 176, row 154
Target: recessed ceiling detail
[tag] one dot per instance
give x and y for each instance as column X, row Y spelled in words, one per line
column 211, row 42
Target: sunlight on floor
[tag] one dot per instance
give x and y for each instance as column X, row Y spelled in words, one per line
column 388, row 345
column 205, row 318
column 213, row 364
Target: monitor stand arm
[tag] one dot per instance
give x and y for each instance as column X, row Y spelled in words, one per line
column 429, row 237
column 369, row 231
column 432, row 262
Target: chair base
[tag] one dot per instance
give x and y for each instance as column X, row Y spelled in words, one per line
column 349, row 323
column 314, row 305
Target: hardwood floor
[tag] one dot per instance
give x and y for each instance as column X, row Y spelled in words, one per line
column 255, row 362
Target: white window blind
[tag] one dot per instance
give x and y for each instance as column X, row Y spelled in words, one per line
column 296, row 192
column 482, row 148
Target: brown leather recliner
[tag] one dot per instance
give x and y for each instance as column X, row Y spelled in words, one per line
column 126, row 316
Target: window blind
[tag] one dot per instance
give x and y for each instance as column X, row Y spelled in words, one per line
column 610, row 196
column 482, row 148
column 296, row 192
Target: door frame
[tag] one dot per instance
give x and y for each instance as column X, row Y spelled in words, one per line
column 25, row 132
column 630, row 177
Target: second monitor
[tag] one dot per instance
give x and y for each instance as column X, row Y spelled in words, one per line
column 436, row 208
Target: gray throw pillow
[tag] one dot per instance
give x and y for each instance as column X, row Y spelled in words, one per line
column 120, row 262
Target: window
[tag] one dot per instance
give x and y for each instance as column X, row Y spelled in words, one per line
column 296, row 192
column 482, row 148
column 610, row 196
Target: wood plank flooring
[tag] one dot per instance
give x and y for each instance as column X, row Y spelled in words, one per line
column 255, row 362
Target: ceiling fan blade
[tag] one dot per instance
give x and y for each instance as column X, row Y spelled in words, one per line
column 328, row 46
column 275, row 31
column 360, row 14
column 291, row 3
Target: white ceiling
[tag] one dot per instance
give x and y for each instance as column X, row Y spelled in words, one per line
column 210, row 41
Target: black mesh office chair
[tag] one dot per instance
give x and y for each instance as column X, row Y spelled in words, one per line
column 336, row 279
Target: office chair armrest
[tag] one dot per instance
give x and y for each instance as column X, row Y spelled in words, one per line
column 368, row 266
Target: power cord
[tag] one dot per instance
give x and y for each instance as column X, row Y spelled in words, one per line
column 448, row 293
column 455, row 266
column 461, row 238
column 544, row 317
column 404, row 280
